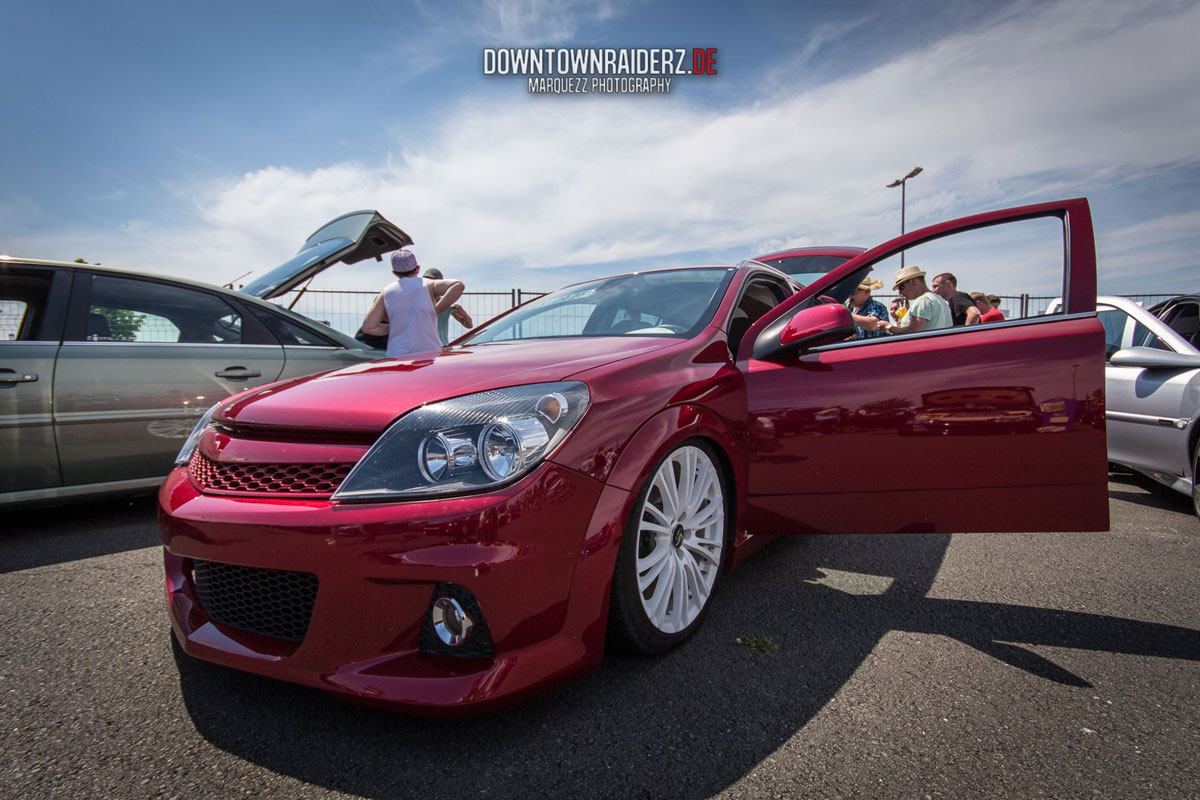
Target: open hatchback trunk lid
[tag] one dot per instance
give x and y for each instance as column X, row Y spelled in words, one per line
column 350, row 238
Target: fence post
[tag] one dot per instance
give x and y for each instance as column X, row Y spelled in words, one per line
column 1024, row 305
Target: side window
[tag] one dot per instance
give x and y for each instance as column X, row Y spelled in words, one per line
column 132, row 310
column 1114, row 322
column 1143, row 337
column 759, row 297
column 23, row 296
column 956, row 282
column 289, row 333
column 1184, row 320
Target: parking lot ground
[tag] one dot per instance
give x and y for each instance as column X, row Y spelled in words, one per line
column 1022, row 665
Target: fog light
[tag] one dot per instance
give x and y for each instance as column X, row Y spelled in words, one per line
column 451, row 622
column 455, row 625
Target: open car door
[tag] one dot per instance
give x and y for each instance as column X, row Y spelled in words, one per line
column 350, row 238
column 996, row 427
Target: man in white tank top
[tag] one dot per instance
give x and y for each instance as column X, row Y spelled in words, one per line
column 406, row 311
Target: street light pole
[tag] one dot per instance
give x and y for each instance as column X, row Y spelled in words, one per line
column 903, row 184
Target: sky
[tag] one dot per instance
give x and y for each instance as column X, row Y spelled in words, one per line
column 209, row 140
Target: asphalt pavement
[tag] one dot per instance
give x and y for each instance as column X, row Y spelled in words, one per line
column 922, row 666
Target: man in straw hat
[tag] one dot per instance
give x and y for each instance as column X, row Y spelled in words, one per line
column 868, row 314
column 926, row 310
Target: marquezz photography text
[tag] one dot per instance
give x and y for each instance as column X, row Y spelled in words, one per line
column 599, row 70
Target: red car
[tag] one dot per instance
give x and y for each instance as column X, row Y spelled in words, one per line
column 458, row 530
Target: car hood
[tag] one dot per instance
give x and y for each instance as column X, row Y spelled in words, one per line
column 368, row 397
column 349, row 238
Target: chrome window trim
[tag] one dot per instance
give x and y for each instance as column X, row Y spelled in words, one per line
column 176, row 344
column 954, row 331
column 27, row 341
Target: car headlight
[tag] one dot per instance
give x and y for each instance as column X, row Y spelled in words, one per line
column 466, row 444
column 189, row 446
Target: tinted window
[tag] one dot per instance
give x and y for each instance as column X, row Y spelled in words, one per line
column 1183, row 319
column 1113, row 321
column 1142, row 337
column 297, row 264
column 759, row 297
column 839, row 292
column 289, row 333
column 131, row 310
column 670, row 303
column 349, row 227
column 22, row 303
column 805, row 269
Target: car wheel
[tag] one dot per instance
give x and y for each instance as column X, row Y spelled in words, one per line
column 1196, row 479
column 671, row 554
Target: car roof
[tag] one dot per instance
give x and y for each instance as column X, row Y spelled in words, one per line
column 829, row 250
column 1162, row 304
column 744, row 266
column 45, row 262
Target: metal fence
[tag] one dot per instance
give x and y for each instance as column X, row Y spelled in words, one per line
column 344, row 310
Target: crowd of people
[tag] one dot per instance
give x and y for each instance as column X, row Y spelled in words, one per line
column 919, row 306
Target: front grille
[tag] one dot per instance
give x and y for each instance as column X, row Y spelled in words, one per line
column 312, row 479
column 269, row 602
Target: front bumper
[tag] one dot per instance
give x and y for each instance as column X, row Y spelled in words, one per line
column 538, row 556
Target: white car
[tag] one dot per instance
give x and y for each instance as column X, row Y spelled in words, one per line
column 1152, row 383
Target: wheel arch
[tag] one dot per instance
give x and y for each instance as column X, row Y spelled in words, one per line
column 1193, row 438
column 666, row 430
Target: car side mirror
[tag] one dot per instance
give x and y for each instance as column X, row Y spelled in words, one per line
column 809, row 328
column 1153, row 358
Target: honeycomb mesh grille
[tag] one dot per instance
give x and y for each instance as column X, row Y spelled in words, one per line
column 269, row 602
column 478, row 646
column 312, row 479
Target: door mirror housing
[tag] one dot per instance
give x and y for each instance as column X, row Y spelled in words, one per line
column 1153, row 358
column 807, row 329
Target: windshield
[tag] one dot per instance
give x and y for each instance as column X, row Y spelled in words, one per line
column 805, row 269
column 670, row 303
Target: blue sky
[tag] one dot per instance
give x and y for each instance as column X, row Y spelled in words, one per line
column 208, row 140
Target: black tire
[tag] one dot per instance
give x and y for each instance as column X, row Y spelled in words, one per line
column 1196, row 479
column 630, row 626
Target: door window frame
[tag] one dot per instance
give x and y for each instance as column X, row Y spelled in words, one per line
column 52, row 319
column 254, row 332
column 1078, row 286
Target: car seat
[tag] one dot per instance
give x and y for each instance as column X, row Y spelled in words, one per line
column 97, row 329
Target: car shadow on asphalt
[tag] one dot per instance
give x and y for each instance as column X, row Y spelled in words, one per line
column 36, row 537
column 1134, row 487
column 685, row 725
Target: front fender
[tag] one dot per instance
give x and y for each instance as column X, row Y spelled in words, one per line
column 663, row 432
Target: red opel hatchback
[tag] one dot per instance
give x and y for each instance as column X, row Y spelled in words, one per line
column 457, row 530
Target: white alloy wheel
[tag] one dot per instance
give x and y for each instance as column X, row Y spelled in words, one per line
column 680, row 527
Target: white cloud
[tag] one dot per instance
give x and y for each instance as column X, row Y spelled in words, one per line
column 1051, row 101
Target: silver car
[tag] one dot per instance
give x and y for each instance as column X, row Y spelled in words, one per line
column 1152, row 383
column 103, row 372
